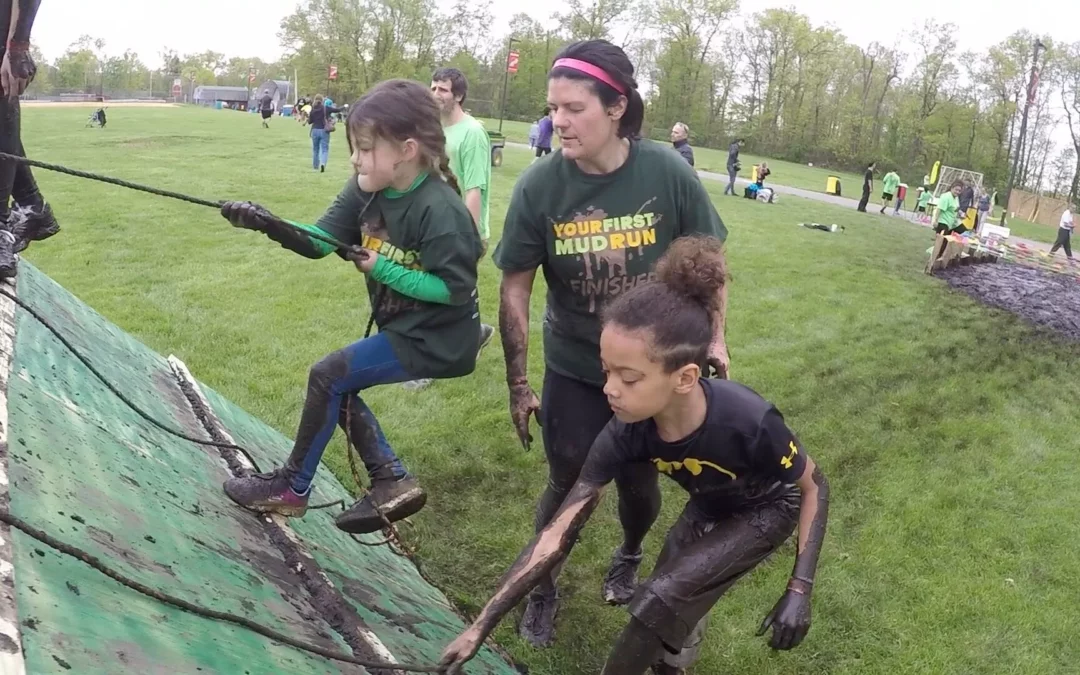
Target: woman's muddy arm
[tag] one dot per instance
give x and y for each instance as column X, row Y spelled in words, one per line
column 514, row 295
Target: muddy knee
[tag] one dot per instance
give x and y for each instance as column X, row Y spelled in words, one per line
column 327, row 370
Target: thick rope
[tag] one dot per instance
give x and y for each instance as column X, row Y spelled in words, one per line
column 167, row 193
column 119, row 394
column 97, row 564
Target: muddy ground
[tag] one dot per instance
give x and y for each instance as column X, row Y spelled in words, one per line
column 1044, row 298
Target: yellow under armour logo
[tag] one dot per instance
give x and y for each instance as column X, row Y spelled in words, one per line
column 786, row 461
column 694, row 466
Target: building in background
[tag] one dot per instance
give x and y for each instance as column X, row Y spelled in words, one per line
column 229, row 97
column 280, row 92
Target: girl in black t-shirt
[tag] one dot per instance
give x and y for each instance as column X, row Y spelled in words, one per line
column 750, row 481
column 406, row 228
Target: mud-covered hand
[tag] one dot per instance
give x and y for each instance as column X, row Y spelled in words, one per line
column 363, row 259
column 790, row 620
column 17, row 71
column 523, row 404
column 461, row 651
column 247, row 215
column 719, row 360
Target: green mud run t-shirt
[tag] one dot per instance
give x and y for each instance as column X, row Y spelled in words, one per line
column 948, row 205
column 890, row 182
column 426, row 228
column 469, row 149
column 596, row 236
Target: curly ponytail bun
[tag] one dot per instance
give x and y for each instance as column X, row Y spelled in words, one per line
column 678, row 308
column 694, row 267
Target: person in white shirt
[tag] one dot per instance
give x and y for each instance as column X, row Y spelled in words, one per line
column 1065, row 229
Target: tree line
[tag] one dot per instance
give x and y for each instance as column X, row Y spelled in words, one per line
column 792, row 90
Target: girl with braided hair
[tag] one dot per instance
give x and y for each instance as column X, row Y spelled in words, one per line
column 415, row 241
column 748, row 478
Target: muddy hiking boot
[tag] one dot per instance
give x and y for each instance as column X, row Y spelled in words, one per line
column 538, row 622
column 33, row 223
column 486, row 333
column 621, row 580
column 395, row 498
column 9, row 261
column 267, row 493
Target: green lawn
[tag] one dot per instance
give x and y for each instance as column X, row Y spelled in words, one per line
column 708, row 159
column 1029, row 230
column 947, row 430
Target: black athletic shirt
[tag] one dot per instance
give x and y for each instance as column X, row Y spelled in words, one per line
column 743, row 455
column 868, row 179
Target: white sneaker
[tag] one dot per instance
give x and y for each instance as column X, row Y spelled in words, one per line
column 417, row 385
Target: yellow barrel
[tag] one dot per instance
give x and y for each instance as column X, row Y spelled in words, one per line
column 753, row 174
column 832, row 185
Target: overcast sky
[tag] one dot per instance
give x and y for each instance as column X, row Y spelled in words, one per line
column 249, row 27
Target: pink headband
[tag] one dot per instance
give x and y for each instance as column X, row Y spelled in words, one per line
column 590, row 69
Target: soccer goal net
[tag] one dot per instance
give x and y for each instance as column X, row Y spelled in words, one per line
column 950, row 174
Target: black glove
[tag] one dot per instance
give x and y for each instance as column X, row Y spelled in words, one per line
column 790, row 620
column 254, row 217
column 247, row 215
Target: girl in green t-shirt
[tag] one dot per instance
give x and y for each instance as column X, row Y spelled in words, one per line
column 408, row 231
column 946, row 216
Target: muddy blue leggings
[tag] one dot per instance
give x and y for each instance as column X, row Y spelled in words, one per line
column 333, row 400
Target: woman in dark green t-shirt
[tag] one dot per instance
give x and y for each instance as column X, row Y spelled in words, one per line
column 594, row 216
column 409, row 232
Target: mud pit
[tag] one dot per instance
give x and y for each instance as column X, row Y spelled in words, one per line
column 1044, row 298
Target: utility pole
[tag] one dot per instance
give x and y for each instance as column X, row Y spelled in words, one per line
column 1033, row 85
column 506, row 79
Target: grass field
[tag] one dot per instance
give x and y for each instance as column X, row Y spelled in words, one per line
column 948, row 431
column 708, row 159
column 796, row 175
column 1035, row 231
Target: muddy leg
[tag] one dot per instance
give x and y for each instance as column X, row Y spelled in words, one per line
column 636, row 649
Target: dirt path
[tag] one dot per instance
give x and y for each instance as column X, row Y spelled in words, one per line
column 824, row 198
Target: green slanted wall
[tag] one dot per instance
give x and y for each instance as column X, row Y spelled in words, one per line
column 86, row 468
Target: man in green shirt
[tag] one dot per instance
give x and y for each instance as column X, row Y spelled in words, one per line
column 469, row 149
column 890, row 183
column 467, row 145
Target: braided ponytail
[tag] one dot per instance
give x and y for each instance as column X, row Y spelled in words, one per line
column 447, row 174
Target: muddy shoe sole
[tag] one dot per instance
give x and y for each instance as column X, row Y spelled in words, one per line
column 280, row 509
column 363, row 518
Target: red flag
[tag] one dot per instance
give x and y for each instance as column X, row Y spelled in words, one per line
column 332, row 73
column 512, row 62
column 251, row 76
column 1033, row 87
